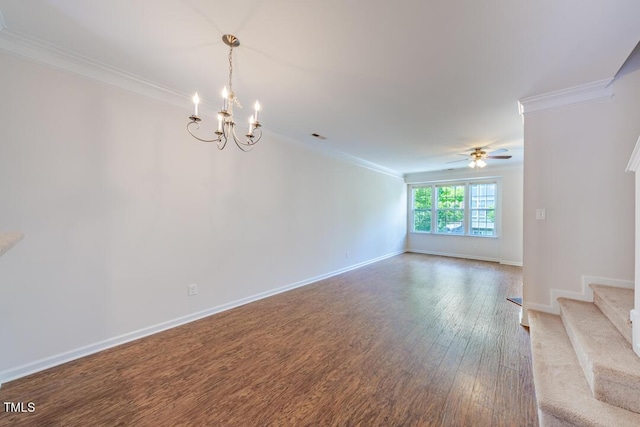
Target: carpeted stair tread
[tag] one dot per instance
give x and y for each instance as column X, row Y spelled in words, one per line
column 564, row 397
column 615, row 303
column 610, row 366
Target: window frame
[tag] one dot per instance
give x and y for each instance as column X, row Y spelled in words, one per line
column 414, row 209
column 467, row 208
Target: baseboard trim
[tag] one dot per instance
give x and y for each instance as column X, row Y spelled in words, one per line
column 451, row 255
column 514, row 263
column 585, row 294
column 68, row 356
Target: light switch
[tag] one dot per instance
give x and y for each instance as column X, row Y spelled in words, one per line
column 541, row 214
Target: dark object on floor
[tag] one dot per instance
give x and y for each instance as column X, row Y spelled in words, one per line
column 515, row 300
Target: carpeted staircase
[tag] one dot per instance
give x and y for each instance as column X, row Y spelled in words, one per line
column 584, row 369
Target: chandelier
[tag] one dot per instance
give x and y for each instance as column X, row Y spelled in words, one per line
column 226, row 123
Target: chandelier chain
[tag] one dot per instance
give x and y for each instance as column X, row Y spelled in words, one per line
column 230, row 68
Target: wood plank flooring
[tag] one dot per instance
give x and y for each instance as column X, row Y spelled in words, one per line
column 413, row 340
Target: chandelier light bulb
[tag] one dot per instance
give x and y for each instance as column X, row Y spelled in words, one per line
column 257, row 108
column 472, row 164
column 196, row 101
column 481, row 163
column 225, row 99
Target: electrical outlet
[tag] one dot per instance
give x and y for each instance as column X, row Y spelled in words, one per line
column 193, row 289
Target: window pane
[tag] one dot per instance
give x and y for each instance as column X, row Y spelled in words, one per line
column 422, row 202
column 451, row 221
column 422, row 221
column 482, row 205
column 451, row 197
column 422, row 198
column 451, row 209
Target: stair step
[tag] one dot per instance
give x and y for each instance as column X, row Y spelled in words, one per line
column 564, row 396
column 616, row 304
column 609, row 364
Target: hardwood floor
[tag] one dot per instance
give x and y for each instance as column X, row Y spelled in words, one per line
column 413, row 340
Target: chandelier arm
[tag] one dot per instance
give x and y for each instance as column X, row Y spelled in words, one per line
column 244, row 146
column 195, row 136
column 221, row 142
column 255, row 140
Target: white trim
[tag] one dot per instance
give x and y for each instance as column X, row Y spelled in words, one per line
column 475, row 180
column 460, row 174
column 68, row 356
column 451, row 255
column 635, row 324
column 514, row 263
column 45, row 53
column 634, row 161
column 587, row 92
column 585, row 294
column 336, row 154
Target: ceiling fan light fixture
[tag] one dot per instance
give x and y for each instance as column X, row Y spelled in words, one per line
column 472, row 164
column 481, row 163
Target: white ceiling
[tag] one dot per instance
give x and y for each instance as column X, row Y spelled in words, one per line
column 407, row 84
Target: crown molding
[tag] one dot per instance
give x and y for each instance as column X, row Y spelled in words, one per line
column 329, row 152
column 634, row 161
column 45, row 53
column 587, row 92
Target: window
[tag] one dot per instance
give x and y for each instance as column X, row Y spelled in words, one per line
column 422, row 201
column 458, row 208
column 451, row 209
column 483, row 209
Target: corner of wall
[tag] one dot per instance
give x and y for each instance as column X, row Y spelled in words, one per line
column 635, row 322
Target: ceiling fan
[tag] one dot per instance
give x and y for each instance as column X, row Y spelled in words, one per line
column 478, row 156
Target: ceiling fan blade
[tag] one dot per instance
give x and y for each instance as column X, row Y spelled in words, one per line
column 498, row 157
column 456, row 161
column 500, row 150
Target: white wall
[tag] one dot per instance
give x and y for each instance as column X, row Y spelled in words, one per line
column 507, row 248
column 575, row 160
column 122, row 210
